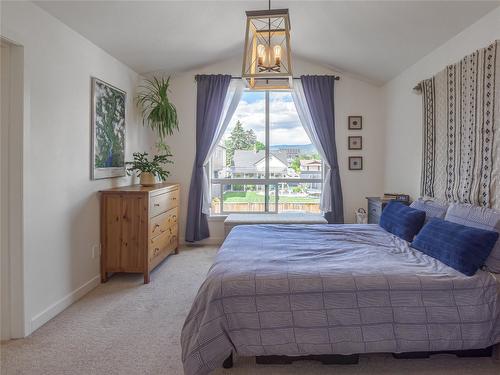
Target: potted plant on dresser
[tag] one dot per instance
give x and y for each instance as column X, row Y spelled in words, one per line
column 161, row 115
column 149, row 171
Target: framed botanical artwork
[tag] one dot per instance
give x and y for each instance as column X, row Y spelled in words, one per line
column 355, row 163
column 355, row 122
column 108, row 130
column 355, row 142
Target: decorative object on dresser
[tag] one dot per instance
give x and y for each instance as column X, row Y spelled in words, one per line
column 108, row 130
column 355, row 163
column 396, row 196
column 361, row 216
column 147, row 170
column 355, row 142
column 139, row 228
column 461, row 122
column 355, row 122
column 377, row 204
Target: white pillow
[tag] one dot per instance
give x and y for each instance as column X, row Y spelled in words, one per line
column 431, row 206
column 482, row 218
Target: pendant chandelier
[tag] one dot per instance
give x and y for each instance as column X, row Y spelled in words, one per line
column 267, row 56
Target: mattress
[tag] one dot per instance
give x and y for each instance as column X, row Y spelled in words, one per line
column 333, row 289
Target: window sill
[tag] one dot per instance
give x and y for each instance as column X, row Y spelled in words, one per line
column 217, row 217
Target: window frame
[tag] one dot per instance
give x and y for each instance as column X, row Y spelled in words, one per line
column 267, row 181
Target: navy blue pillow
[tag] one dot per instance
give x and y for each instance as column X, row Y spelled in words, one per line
column 401, row 220
column 458, row 246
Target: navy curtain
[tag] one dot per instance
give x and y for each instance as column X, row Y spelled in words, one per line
column 319, row 93
column 211, row 92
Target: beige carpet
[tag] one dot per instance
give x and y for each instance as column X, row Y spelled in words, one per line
column 125, row 327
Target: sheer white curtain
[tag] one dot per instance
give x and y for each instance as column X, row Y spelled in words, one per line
column 231, row 101
column 325, row 203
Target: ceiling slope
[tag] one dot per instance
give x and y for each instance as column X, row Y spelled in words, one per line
column 375, row 39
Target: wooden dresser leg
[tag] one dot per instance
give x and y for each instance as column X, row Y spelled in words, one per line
column 146, row 277
column 176, row 251
column 104, row 277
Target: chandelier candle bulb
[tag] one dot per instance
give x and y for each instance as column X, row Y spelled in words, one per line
column 261, row 54
column 277, row 55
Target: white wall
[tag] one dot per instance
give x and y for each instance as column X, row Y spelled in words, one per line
column 404, row 108
column 352, row 97
column 61, row 206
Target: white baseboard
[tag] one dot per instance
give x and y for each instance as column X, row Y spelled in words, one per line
column 40, row 319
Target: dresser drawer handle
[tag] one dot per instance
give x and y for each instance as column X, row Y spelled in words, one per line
column 156, row 205
column 174, row 198
column 156, row 226
column 156, row 251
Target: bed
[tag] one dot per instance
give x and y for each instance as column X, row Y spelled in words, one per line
column 333, row 289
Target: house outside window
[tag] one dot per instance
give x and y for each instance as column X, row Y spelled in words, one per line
column 265, row 162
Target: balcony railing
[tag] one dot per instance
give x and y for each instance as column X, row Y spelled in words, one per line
column 268, row 192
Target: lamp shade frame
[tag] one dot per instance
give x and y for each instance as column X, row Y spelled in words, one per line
column 269, row 77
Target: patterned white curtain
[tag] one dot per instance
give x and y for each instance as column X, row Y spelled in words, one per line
column 325, row 202
column 231, row 101
column 461, row 123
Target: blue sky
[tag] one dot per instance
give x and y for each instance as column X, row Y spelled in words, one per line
column 252, row 96
column 285, row 124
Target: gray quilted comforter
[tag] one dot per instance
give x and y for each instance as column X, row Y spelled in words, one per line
column 323, row 289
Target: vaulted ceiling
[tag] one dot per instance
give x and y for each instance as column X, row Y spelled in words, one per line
column 374, row 39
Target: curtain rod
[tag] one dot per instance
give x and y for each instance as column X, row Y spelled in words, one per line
column 336, row 78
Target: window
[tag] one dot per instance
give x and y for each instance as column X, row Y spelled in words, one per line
column 265, row 162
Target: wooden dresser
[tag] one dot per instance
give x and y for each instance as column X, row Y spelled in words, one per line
column 139, row 228
column 375, row 207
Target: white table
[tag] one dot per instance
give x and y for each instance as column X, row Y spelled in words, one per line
column 233, row 220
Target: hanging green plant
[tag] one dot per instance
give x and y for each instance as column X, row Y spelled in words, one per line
column 157, row 110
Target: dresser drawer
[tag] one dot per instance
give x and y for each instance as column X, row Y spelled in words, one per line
column 163, row 244
column 160, row 224
column 373, row 219
column 374, row 209
column 163, row 202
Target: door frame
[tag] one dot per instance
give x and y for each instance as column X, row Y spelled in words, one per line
column 13, row 199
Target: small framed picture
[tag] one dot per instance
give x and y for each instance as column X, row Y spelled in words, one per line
column 355, row 142
column 355, row 122
column 355, row 163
